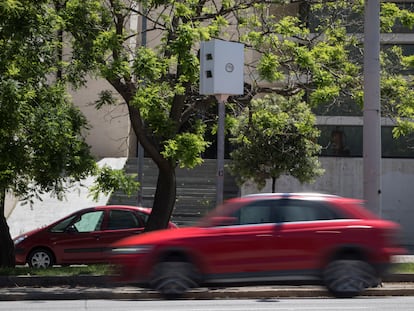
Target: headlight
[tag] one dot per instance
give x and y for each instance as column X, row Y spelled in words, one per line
column 19, row 239
column 139, row 249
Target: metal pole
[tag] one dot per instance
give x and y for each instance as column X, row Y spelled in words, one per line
column 372, row 107
column 220, row 148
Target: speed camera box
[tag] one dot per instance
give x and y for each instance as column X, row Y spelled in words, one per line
column 221, row 67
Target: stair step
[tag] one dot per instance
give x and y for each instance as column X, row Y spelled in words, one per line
column 196, row 189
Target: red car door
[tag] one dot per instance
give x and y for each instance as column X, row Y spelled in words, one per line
column 242, row 246
column 80, row 243
column 307, row 229
column 120, row 224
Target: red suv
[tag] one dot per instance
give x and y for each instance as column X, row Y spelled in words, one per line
column 266, row 238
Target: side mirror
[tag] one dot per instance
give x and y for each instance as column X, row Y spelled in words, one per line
column 71, row 229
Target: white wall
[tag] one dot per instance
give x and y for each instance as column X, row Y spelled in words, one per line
column 344, row 177
column 110, row 132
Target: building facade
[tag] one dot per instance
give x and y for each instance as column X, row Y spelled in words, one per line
column 341, row 128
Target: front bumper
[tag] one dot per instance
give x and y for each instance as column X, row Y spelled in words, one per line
column 20, row 256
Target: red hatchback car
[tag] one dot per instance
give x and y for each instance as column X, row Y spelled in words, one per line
column 82, row 237
column 262, row 239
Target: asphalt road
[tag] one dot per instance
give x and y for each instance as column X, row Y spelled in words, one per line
column 275, row 304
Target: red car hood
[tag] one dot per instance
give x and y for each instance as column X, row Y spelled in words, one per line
column 31, row 233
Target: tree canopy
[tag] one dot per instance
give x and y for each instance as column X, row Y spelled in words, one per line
column 275, row 136
column 42, row 144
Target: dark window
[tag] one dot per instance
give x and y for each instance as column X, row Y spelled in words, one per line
column 255, row 213
column 143, row 217
column 341, row 141
column 345, row 141
column 119, row 219
column 307, row 210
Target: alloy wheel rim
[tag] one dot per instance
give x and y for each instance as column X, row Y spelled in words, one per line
column 41, row 260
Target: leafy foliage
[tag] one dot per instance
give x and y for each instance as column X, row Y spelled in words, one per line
column 41, row 134
column 42, row 144
column 275, row 136
column 108, row 180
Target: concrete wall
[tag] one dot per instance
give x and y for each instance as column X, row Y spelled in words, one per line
column 110, row 131
column 344, row 177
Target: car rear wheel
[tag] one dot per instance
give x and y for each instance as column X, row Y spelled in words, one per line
column 41, row 258
column 173, row 278
column 347, row 278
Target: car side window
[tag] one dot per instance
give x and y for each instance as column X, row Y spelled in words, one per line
column 255, row 213
column 143, row 218
column 89, row 222
column 62, row 225
column 307, row 210
column 120, row 219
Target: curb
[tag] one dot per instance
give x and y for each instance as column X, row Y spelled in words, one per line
column 98, row 287
column 104, row 281
column 50, row 281
column 130, row 293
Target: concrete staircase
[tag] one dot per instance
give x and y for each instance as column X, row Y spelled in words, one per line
column 196, row 189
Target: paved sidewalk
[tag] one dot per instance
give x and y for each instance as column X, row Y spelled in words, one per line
column 98, row 287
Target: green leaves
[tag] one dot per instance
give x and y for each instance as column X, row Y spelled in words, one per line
column 185, row 148
column 268, row 68
column 42, row 147
column 148, row 66
column 275, row 136
column 109, row 180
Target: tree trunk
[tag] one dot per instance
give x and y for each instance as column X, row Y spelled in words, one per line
column 273, row 184
column 6, row 242
column 164, row 199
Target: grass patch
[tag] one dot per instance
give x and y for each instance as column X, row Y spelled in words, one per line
column 58, row 271
column 407, row 267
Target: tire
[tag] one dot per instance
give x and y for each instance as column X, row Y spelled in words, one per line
column 172, row 279
column 41, row 258
column 347, row 278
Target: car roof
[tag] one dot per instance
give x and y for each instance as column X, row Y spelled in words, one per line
column 310, row 195
column 128, row 207
column 146, row 210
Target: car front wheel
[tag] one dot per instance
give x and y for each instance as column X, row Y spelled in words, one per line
column 347, row 278
column 173, row 278
column 40, row 258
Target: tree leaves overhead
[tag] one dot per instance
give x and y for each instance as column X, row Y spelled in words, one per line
column 41, row 131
